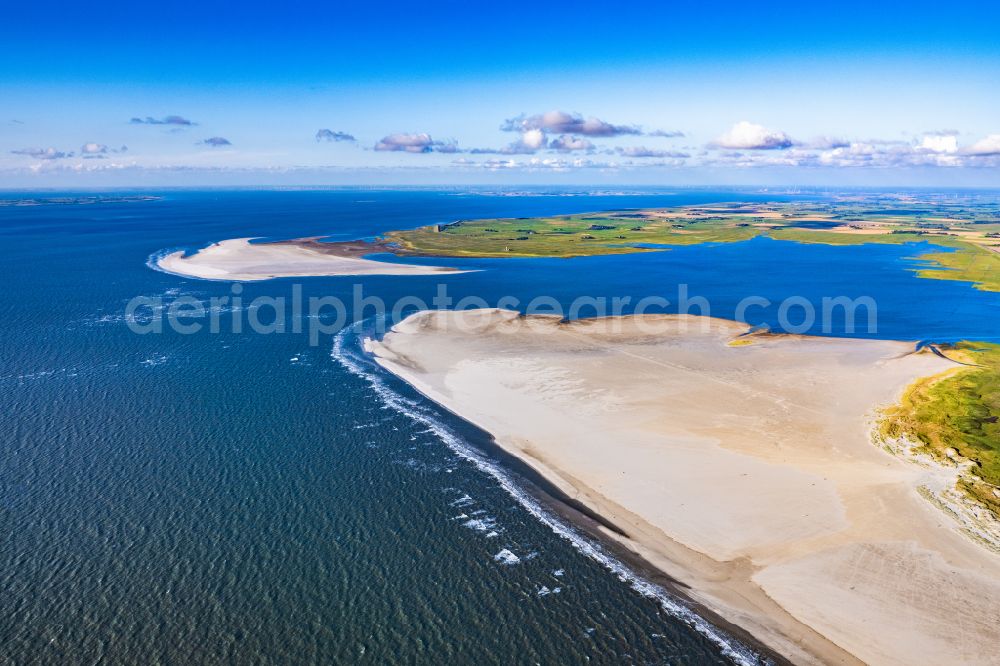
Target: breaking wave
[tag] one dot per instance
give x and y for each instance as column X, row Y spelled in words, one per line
column 153, row 261
column 347, row 351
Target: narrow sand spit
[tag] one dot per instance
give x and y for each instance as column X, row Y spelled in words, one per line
column 745, row 471
column 239, row 259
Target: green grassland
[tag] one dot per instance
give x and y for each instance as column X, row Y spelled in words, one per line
column 833, row 238
column 623, row 232
column 966, row 262
column 959, row 411
column 564, row 236
column 970, row 262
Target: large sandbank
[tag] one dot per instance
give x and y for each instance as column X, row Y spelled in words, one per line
column 746, row 471
column 239, row 259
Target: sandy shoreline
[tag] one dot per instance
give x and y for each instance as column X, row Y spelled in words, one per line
column 239, row 259
column 746, row 473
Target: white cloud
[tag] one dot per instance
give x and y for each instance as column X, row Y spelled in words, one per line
column 92, row 148
column 873, row 154
column 562, row 122
column 42, row 153
column 98, row 151
column 642, row 151
column 533, row 139
column 827, row 143
column 530, row 142
column 988, row 146
column 562, row 164
column 940, row 143
column 409, row 143
column 667, row 134
column 166, row 120
column 331, row 135
column 565, row 144
column 748, row 136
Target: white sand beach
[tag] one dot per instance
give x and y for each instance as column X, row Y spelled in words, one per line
column 746, row 472
column 239, row 259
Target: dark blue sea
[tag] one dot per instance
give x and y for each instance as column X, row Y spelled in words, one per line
column 236, row 497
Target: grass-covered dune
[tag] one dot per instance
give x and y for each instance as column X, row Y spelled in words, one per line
column 956, row 417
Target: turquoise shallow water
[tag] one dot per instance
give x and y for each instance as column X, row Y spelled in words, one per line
column 252, row 498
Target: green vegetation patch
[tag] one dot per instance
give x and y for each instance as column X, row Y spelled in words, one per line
column 959, row 411
column 972, row 263
column 564, row 236
column 837, row 238
column 968, row 262
column 622, row 232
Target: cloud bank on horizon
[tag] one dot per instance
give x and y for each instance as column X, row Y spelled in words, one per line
column 339, row 89
column 544, row 137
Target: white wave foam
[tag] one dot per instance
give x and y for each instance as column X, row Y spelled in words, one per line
column 153, row 261
column 155, row 360
column 487, row 526
column 113, row 318
column 153, row 309
column 40, row 374
column 507, row 557
column 462, row 501
column 353, row 360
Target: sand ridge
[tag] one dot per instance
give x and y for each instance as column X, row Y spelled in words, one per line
column 746, row 472
column 239, row 259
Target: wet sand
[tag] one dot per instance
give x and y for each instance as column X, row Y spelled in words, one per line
column 744, row 472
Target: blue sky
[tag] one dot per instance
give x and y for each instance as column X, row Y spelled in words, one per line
column 847, row 93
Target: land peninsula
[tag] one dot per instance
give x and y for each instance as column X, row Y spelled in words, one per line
column 968, row 233
column 240, row 259
column 756, row 470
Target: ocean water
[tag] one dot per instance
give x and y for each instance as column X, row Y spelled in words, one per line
column 238, row 497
